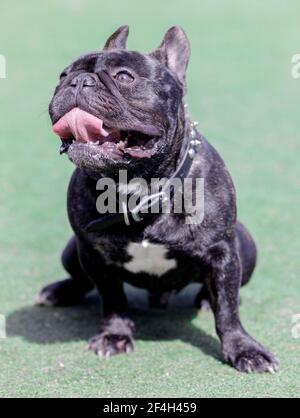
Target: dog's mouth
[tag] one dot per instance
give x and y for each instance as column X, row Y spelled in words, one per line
column 78, row 127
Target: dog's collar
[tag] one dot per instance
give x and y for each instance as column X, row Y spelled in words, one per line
column 143, row 209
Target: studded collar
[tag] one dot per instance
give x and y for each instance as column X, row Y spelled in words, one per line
column 143, row 209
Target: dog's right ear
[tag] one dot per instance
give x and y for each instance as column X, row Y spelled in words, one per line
column 118, row 39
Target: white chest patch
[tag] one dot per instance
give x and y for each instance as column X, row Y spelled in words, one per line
column 149, row 258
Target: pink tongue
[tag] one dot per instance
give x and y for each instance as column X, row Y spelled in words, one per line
column 81, row 125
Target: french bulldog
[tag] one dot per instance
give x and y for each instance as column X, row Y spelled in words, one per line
column 119, row 110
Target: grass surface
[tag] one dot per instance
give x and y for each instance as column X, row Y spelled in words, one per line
column 241, row 91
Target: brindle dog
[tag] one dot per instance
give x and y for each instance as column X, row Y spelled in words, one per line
column 115, row 110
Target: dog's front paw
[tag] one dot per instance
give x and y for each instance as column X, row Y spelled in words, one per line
column 107, row 345
column 252, row 358
column 114, row 338
column 256, row 361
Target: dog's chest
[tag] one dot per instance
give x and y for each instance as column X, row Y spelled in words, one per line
column 139, row 257
column 149, row 258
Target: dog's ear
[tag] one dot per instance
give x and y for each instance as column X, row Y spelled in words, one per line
column 174, row 53
column 118, row 39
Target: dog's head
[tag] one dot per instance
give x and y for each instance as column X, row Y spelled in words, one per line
column 118, row 109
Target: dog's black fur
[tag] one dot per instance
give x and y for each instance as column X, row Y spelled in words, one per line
column 218, row 252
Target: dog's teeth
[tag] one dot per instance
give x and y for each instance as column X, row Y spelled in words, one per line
column 121, row 144
column 63, row 148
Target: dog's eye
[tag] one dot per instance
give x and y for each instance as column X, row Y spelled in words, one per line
column 63, row 75
column 124, row 77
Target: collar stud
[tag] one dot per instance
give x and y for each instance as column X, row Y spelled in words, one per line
column 192, row 153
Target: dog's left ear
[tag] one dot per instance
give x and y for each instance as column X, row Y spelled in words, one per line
column 174, row 53
column 118, row 39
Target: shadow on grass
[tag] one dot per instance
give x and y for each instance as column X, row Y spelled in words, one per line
column 48, row 325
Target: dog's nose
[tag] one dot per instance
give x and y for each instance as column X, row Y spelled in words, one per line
column 84, row 80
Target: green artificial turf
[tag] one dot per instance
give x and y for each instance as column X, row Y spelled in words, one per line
column 242, row 93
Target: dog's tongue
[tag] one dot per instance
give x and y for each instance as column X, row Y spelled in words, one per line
column 81, row 125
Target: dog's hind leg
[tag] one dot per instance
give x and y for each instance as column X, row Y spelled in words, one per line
column 70, row 291
column 247, row 254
